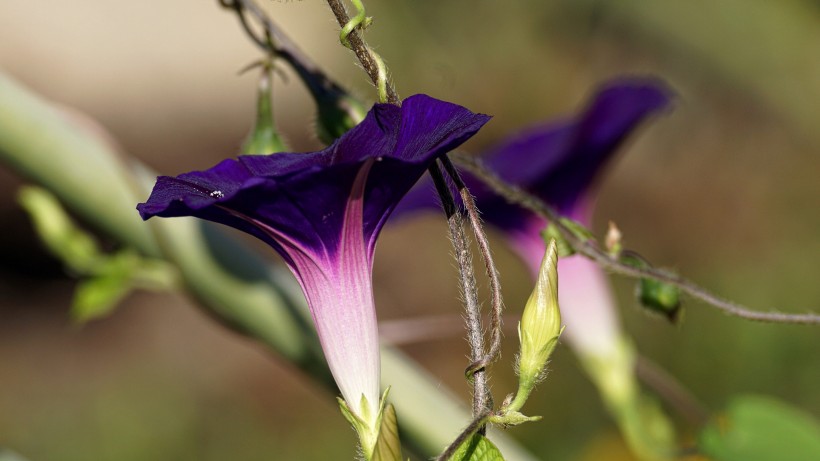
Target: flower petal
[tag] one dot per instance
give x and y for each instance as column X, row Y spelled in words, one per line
column 303, row 196
column 560, row 160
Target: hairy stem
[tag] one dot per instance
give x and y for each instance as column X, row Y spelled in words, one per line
column 370, row 61
column 489, row 265
column 482, row 401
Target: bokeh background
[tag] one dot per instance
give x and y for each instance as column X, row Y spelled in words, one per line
column 724, row 189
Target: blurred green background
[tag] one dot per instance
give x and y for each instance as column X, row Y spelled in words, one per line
column 724, row 189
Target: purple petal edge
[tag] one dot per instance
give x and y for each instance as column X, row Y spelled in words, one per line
column 559, row 161
column 304, row 195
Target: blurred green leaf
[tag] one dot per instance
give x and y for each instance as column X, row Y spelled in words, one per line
column 75, row 247
column 99, row 295
column 388, row 446
column 551, row 233
column 110, row 277
column 655, row 295
column 758, row 428
column 114, row 277
column 577, row 229
column 6, row 455
column 660, row 297
column 477, row 448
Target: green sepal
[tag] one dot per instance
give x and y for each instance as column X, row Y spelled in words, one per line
column 759, row 428
column 368, row 432
column 388, row 445
column 477, row 448
column 530, row 374
column 512, row 418
column 264, row 138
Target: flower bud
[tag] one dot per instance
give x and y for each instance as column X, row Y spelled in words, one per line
column 660, row 297
column 540, row 326
column 613, row 240
column 263, row 138
column 655, row 295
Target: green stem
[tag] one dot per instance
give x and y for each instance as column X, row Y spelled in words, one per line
column 370, row 60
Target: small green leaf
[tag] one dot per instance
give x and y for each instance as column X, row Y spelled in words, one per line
column 660, row 297
column 98, row 296
column 388, row 445
column 551, row 233
column 114, row 276
column 758, row 428
column 111, row 281
column 63, row 238
column 578, row 230
column 656, row 296
column 477, row 448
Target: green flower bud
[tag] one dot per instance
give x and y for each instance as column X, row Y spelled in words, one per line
column 660, row 297
column 539, row 328
column 264, row 138
column 656, row 296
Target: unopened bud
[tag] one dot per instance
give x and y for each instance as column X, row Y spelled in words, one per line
column 655, row 295
column 660, row 297
column 264, row 138
column 540, row 326
column 613, row 240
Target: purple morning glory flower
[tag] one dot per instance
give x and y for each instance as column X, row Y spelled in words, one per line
column 322, row 212
column 559, row 162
